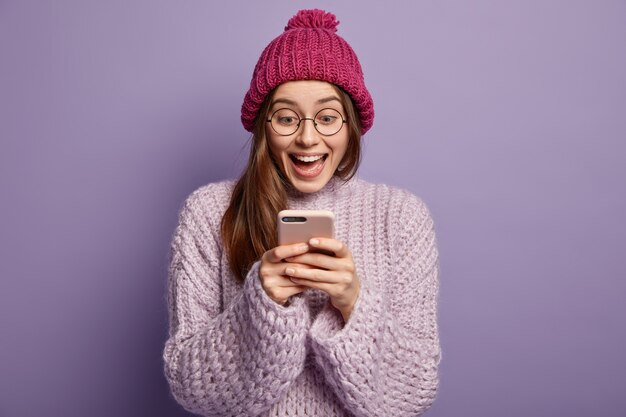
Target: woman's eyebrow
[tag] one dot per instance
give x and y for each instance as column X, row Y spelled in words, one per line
column 293, row 103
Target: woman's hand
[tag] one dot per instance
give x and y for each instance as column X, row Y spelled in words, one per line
column 274, row 279
column 335, row 275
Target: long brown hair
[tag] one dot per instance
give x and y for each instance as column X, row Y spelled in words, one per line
column 249, row 223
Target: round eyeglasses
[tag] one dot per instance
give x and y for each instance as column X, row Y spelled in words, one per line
column 286, row 122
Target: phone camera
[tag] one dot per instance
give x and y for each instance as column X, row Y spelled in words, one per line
column 294, row 219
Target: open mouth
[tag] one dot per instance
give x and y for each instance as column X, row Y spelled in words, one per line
column 308, row 165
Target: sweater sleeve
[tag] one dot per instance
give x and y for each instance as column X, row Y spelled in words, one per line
column 384, row 360
column 235, row 362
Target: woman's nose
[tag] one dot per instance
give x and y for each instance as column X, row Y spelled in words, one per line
column 307, row 135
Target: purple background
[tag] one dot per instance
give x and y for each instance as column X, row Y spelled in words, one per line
column 507, row 118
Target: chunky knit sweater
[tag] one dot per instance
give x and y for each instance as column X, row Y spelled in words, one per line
column 233, row 351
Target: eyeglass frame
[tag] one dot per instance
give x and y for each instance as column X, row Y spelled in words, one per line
column 300, row 119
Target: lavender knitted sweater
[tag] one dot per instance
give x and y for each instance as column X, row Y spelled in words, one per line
column 233, row 351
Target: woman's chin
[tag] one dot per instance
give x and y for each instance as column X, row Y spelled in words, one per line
column 309, row 185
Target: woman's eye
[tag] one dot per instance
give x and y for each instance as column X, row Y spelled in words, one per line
column 327, row 119
column 286, row 120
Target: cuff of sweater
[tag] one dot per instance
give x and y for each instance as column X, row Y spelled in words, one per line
column 280, row 318
column 329, row 333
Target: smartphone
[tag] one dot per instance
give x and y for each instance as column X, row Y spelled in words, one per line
column 299, row 226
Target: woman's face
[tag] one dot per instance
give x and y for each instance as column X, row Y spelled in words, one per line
column 322, row 154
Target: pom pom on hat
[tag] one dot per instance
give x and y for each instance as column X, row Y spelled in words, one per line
column 308, row 49
column 314, row 18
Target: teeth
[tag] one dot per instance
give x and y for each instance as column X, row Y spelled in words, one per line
column 308, row 158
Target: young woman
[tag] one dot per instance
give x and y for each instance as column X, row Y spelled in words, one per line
column 259, row 329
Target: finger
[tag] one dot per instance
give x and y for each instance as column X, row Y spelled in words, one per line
column 307, row 283
column 318, row 260
column 318, row 275
column 275, row 274
column 279, row 253
column 296, row 289
column 281, row 296
column 278, row 269
column 333, row 245
column 284, row 281
column 286, row 265
column 293, row 287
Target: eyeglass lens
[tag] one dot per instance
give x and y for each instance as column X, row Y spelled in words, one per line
column 286, row 121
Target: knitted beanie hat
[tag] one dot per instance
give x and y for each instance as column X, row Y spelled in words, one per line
column 308, row 49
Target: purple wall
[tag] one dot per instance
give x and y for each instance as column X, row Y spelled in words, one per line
column 507, row 118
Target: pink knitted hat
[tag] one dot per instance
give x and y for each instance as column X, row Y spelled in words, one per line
column 308, row 49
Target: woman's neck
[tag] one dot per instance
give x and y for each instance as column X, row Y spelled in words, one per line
column 332, row 187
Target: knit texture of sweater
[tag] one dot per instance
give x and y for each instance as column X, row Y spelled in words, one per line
column 233, row 351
